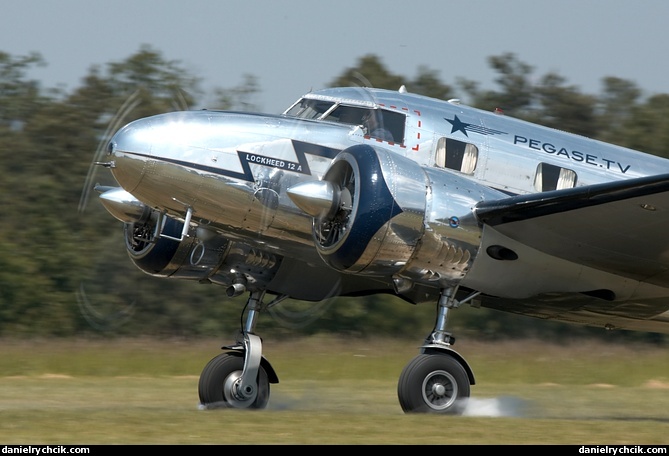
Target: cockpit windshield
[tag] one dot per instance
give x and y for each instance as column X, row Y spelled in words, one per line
column 376, row 122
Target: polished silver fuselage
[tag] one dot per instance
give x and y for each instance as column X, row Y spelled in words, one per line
column 232, row 171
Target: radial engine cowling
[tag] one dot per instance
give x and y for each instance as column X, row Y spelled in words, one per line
column 379, row 213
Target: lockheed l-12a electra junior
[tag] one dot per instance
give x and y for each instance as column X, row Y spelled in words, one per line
column 357, row 191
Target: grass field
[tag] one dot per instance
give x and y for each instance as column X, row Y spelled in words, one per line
column 331, row 391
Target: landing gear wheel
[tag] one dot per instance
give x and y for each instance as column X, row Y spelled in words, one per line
column 433, row 384
column 218, row 379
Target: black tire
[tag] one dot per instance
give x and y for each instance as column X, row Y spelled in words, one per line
column 218, row 376
column 433, row 384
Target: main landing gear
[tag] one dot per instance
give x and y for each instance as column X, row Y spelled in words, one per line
column 436, row 381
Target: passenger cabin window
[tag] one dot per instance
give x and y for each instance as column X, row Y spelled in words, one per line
column 457, row 155
column 551, row 177
column 377, row 123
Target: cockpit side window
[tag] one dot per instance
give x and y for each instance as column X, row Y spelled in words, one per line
column 389, row 125
column 377, row 123
column 351, row 115
column 309, row 109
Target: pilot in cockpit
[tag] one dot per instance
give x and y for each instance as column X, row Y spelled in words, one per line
column 373, row 123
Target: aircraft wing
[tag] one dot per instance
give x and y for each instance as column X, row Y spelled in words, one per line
column 619, row 227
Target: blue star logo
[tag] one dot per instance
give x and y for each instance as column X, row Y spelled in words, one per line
column 464, row 127
column 458, row 125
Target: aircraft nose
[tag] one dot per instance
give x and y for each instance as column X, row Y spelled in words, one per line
column 130, row 150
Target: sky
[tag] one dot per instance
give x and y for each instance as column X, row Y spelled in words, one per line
column 294, row 46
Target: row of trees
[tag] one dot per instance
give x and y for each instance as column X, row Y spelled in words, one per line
column 63, row 267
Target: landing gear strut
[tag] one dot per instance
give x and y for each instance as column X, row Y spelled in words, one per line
column 239, row 378
column 438, row 379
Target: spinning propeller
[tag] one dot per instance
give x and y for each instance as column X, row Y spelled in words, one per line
column 106, row 297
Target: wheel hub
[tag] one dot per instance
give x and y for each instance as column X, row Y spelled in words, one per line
column 232, row 393
column 440, row 390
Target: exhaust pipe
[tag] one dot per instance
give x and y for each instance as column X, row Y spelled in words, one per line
column 237, row 288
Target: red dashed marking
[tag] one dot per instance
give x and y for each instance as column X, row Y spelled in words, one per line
column 392, row 143
column 419, row 124
column 417, row 135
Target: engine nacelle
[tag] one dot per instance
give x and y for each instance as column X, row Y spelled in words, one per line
column 159, row 246
column 160, row 254
column 203, row 255
column 391, row 216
